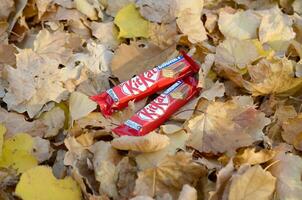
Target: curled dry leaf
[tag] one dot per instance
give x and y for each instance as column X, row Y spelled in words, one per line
column 188, row 192
column 253, row 157
column 224, row 127
column 179, row 169
column 287, row 168
column 148, row 143
column 274, row 76
column 252, row 183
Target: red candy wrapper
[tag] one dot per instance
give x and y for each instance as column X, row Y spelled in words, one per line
column 145, row 84
column 160, row 109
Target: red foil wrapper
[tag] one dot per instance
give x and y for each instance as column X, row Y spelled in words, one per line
column 145, row 84
column 160, row 109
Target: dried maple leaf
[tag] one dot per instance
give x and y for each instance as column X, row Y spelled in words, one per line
column 157, row 11
column 252, row 183
column 169, row 176
column 292, row 131
column 287, row 168
column 80, row 105
column 106, row 32
column 226, row 126
column 274, row 76
column 241, row 25
column 163, row 35
column 149, row 143
column 55, row 46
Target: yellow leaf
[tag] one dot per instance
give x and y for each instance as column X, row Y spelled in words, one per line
column 39, row 183
column 86, row 8
column 131, row 23
column 17, row 153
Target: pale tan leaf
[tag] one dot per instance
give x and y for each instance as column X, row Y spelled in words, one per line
column 236, row 53
column 80, row 105
column 216, row 90
column 148, row 143
column 254, row 183
column 276, row 29
column 163, row 35
column 188, row 192
column 157, row 11
column 42, row 6
column 7, row 6
column 54, row 120
column 106, row 32
column 178, row 169
column 86, row 8
column 114, row 6
column 241, row 25
column 104, row 161
column 287, row 168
